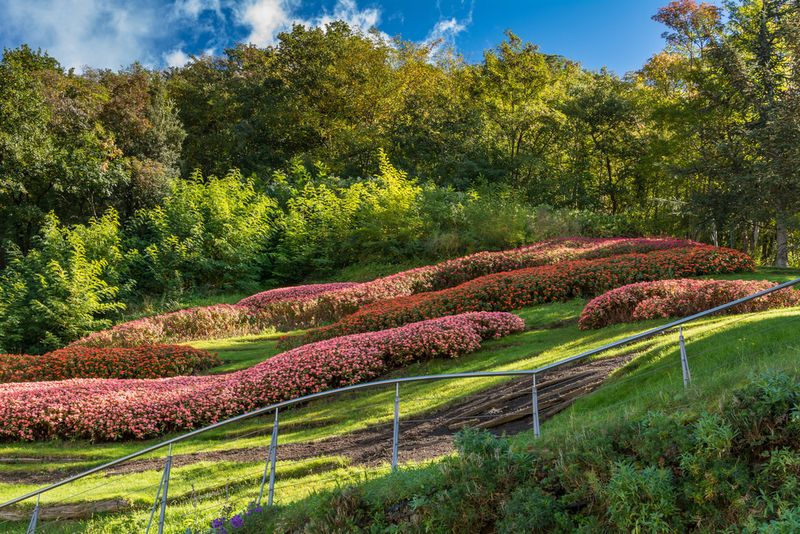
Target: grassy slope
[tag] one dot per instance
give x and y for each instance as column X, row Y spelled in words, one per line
column 724, row 354
column 650, row 382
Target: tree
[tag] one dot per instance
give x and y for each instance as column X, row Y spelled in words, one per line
column 518, row 87
column 54, row 155
column 759, row 60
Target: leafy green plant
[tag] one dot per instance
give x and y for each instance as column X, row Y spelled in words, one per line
column 58, row 291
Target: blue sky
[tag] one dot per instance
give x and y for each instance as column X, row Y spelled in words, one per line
column 114, row 33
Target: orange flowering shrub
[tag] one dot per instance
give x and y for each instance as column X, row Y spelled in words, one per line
column 312, row 305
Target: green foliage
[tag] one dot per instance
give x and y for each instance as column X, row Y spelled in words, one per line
column 206, row 233
column 57, row 292
column 641, row 500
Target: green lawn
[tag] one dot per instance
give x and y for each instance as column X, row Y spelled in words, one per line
column 722, row 352
column 241, row 352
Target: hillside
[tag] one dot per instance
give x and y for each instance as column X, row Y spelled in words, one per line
column 221, row 470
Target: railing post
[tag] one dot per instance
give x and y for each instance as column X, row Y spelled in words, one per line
column 161, row 494
column 273, row 455
column 34, row 517
column 687, row 374
column 396, row 428
column 535, row 408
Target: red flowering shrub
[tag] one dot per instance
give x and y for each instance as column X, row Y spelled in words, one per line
column 150, row 361
column 103, row 409
column 295, row 294
column 678, row 298
column 537, row 285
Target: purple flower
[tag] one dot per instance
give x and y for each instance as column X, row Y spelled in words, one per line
column 237, row 521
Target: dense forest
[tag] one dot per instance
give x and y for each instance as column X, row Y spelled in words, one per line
column 335, row 147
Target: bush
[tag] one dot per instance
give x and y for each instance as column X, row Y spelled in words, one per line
column 312, row 305
column 124, row 409
column 731, row 470
column 334, row 305
column 678, row 298
column 58, row 291
column 525, row 287
column 153, row 361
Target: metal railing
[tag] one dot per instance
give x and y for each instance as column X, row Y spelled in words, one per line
column 268, row 478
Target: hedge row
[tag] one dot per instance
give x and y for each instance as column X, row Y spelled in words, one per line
column 313, row 305
column 151, row 361
column 293, row 293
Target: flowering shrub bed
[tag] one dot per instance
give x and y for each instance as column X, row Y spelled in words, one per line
column 313, row 305
column 295, row 294
column 334, row 305
column 537, row 285
column 151, row 361
column 103, row 409
column 675, row 298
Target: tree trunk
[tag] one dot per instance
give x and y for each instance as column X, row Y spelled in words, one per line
column 756, row 229
column 781, row 240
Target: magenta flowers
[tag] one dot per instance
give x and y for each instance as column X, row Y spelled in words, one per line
column 313, row 305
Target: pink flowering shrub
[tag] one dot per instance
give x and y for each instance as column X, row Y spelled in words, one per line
column 103, row 409
column 678, row 298
column 294, row 294
column 314, row 305
column 457, row 271
column 333, row 305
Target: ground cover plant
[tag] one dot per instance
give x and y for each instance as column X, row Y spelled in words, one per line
column 124, row 409
column 147, row 361
column 207, row 322
column 679, row 298
column 525, row 287
column 336, row 304
column 316, row 304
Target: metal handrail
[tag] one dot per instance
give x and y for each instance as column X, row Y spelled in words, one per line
column 394, row 381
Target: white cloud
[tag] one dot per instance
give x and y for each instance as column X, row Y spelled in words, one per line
column 193, row 8
column 176, row 58
column 445, row 29
column 99, row 33
column 115, row 33
column 444, row 32
column 348, row 11
column 267, row 18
